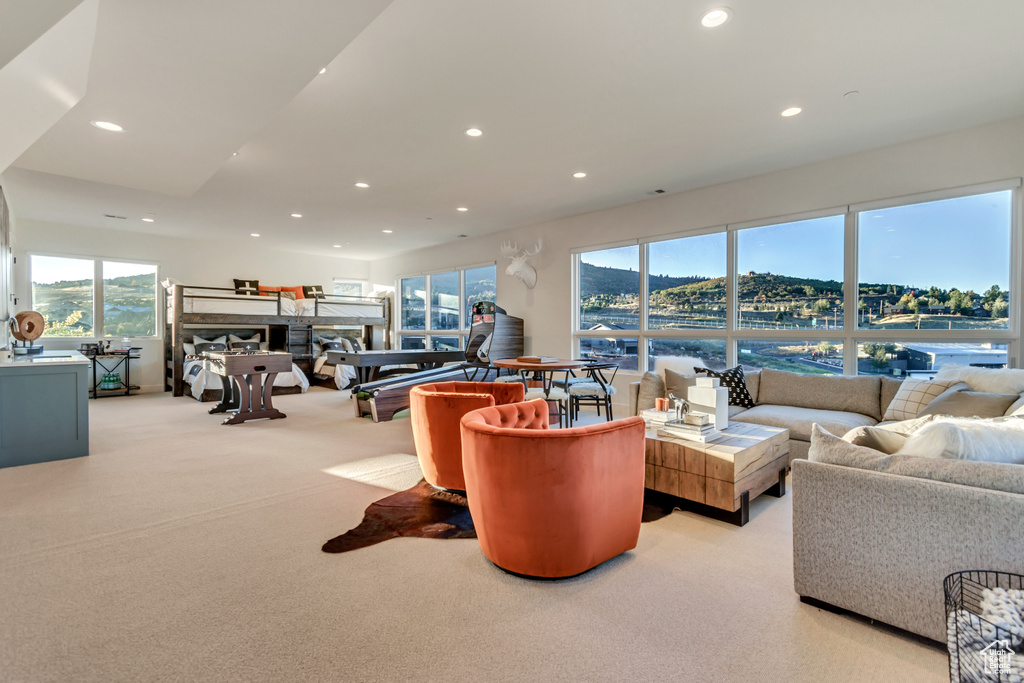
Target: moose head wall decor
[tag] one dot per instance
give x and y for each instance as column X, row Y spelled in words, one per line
column 519, row 267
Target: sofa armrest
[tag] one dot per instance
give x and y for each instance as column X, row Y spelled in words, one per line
column 880, row 544
column 634, row 397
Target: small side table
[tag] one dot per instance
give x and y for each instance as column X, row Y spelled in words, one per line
column 109, row 363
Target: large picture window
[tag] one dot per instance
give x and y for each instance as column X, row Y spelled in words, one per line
column 64, row 291
column 898, row 287
column 431, row 303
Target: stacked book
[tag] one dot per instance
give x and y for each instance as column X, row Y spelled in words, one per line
column 536, row 359
column 656, row 418
column 693, row 432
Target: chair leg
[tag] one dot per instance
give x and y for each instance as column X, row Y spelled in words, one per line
column 608, row 408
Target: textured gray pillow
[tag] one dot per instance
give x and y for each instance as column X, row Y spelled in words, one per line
column 677, row 384
column 652, row 386
column 970, row 404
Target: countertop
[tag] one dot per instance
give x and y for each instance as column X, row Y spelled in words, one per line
column 46, row 359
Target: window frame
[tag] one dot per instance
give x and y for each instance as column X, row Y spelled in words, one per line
column 98, row 294
column 850, row 336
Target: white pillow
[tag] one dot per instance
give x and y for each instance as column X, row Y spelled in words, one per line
column 991, row 380
column 683, row 365
column 913, row 396
column 999, row 439
column 254, row 338
column 219, row 340
column 190, row 349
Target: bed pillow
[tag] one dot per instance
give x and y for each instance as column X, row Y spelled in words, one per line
column 219, row 340
column 234, row 338
column 970, row 404
column 266, row 291
column 211, row 346
column 299, row 292
column 914, row 395
column 335, row 344
column 189, row 349
column 247, row 287
column 245, row 346
column 312, row 291
column 732, row 379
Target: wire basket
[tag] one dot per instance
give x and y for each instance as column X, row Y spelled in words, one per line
column 985, row 626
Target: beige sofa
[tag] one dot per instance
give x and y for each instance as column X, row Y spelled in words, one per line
column 796, row 402
column 876, row 534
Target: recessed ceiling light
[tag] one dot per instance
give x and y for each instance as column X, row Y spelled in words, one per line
column 716, row 17
column 107, row 125
column 323, row 71
column 792, row 111
column 579, row 174
column 474, row 132
column 149, row 220
column 254, row 234
column 362, row 185
column 387, row 231
column 336, row 246
column 234, row 154
column 296, row 215
column 462, row 208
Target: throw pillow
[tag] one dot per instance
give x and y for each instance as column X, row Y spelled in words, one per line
column 296, row 292
column 312, row 291
column 732, row 379
column 245, row 346
column 1005, row 381
column 254, row 338
column 970, row 404
column 684, row 365
column 652, row 386
column 913, row 396
column 1017, row 408
column 211, row 346
column 678, row 385
column 268, row 291
column 993, row 440
column 884, row 440
column 247, row 287
column 219, row 340
column 189, row 349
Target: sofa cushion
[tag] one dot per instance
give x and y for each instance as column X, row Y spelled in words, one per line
column 970, row 404
column 736, row 410
column 652, row 387
column 1017, row 408
column 890, row 386
column 800, row 420
column 876, row 438
column 1006, row 381
column 914, row 395
column 732, row 379
column 827, row 448
column 826, row 392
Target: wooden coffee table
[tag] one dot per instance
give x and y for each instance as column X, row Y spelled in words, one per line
column 722, row 475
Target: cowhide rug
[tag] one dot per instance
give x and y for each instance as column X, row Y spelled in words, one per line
column 426, row 512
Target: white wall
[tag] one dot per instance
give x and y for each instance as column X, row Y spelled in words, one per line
column 968, row 157
column 207, row 264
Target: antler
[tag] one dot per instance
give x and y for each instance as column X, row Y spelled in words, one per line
column 533, row 252
column 509, row 249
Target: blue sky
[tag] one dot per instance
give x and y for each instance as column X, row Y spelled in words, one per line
column 962, row 243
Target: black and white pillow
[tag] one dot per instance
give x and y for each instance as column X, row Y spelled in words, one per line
column 211, row 347
column 247, row 287
column 732, row 379
column 329, row 345
column 312, row 291
column 245, row 345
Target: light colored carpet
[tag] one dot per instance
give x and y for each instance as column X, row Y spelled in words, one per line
column 182, row 549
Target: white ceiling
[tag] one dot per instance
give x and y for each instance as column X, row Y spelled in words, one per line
column 637, row 94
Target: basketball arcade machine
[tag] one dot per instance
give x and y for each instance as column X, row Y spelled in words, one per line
column 494, row 335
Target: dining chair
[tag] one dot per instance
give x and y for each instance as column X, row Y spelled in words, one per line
column 596, row 389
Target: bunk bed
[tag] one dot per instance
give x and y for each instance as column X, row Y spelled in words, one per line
column 291, row 325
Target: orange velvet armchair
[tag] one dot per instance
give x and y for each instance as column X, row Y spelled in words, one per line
column 435, row 410
column 552, row 503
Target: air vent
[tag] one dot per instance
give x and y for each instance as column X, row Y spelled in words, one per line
column 120, row 218
column 656, row 192
column 463, row 235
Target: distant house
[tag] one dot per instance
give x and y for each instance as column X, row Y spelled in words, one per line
column 938, row 309
column 979, row 312
column 613, row 345
column 893, row 309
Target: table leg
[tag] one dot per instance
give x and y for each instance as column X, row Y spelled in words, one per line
column 228, row 400
column 741, row 516
column 779, row 489
column 267, row 402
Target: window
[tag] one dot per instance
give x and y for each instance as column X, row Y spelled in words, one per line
column 129, row 300
column 431, row 303
column 942, row 265
column 930, row 281
column 64, row 291
column 688, row 291
column 790, row 275
column 348, row 287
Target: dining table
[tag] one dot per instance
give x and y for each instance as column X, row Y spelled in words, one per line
column 540, row 374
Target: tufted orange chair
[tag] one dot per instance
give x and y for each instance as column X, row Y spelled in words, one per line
column 552, row 503
column 435, row 410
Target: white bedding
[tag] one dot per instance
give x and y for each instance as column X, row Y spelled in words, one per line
column 353, row 309
column 342, row 374
column 204, row 377
column 240, row 305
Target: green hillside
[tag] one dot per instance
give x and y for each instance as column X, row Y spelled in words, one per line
column 618, row 281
